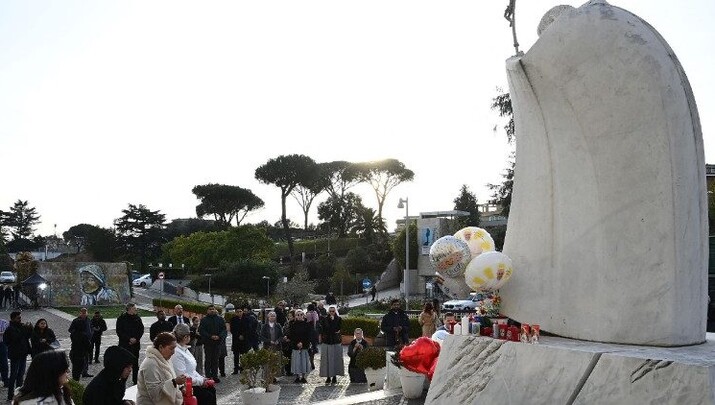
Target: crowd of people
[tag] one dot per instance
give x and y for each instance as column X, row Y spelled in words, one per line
column 180, row 348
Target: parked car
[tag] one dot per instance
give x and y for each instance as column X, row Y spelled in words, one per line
column 469, row 304
column 7, row 277
column 143, row 281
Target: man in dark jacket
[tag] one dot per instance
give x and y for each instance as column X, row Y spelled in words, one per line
column 252, row 321
column 212, row 330
column 99, row 326
column 17, row 338
column 239, row 332
column 130, row 330
column 330, row 299
column 179, row 317
column 109, row 385
column 161, row 325
column 281, row 316
column 395, row 325
column 81, row 337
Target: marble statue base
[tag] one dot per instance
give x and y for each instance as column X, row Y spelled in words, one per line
column 481, row 370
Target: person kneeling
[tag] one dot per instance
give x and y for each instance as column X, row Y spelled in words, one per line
column 357, row 375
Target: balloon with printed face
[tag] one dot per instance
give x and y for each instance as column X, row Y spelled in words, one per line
column 454, row 288
column 477, row 239
column 488, row 271
column 450, row 256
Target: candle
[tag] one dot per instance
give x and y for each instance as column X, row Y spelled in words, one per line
column 465, row 325
column 458, row 329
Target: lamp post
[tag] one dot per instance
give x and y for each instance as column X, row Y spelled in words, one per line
column 268, row 287
column 404, row 203
column 212, row 296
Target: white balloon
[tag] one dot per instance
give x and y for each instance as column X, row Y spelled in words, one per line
column 488, row 271
column 439, row 336
column 478, row 239
column 450, row 256
column 454, row 288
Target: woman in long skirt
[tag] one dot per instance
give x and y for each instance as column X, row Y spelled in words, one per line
column 331, row 357
column 299, row 335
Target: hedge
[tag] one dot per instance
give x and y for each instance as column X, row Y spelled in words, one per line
column 77, row 391
column 195, row 307
column 370, row 327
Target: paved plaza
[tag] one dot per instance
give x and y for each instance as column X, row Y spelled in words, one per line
column 228, row 391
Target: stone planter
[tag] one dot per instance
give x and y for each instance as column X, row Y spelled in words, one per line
column 375, row 378
column 259, row 396
column 412, row 383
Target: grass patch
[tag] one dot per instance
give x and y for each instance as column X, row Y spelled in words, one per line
column 108, row 312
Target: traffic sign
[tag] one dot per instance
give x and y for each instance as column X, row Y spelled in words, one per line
column 366, row 283
column 161, row 275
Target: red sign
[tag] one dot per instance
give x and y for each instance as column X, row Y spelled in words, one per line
column 161, row 275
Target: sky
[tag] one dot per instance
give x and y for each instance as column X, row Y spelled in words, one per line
column 108, row 103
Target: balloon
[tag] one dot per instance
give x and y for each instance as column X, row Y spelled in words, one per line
column 430, row 374
column 488, row 271
column 419, row 355
column 450, row 256
column 478, row 239
column 454, row 288
column 439, row 336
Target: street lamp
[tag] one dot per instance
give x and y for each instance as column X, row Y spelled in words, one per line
column 405, row 204
column 268, row 286
column 209, row 276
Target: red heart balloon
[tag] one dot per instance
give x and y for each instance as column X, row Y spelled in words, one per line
column 432, row 369
column 419, row 355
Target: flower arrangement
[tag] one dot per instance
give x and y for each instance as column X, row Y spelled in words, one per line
column 490, row 306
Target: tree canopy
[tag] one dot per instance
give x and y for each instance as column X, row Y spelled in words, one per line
column 225, row 202
column 502, row 192
column 341, row 214
column 383, row 176
column 306, row 191
column 140, row 231
column 467, row 201
column 21, row 220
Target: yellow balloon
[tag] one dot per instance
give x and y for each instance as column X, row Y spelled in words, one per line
column 488, row 271
column 477, row 239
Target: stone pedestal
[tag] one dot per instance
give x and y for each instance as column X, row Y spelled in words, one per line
column 478, row 370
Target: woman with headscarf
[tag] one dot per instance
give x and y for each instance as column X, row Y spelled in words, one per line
column 42, row 337
column 158, row 383
column 299, row 336
column 331, row 361
column 185, row 364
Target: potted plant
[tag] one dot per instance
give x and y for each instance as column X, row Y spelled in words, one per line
column 412, row 383
column 373, row 361
column 260, row 369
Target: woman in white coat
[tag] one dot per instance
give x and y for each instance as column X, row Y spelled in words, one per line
column 185, row 364
column 158, row 383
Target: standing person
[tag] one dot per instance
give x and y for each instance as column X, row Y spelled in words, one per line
column 331, row 361
column 161, row 325
column 395, row 325
column 130, row 329
column 448, row 318
column 321, row 310
column 437, row 311
column 81, row 337
column 158, row 383
column 428, row 320
column 287, row 347
column 46, row 381
column 330, row 299
column 42, row 337
column 197, row 345
column 313, row 320
column 300, row 343
column 7, row 296
column 252, row 327
column 17, row 338
column 178, row 318
column 3, row 351
column 212, row 330
column 109, row 385
column 373, row 292
column 184, row 363
column 357, row 375
column 280, row 311
column 239, row 341
column 99, row 326
column 271, row 333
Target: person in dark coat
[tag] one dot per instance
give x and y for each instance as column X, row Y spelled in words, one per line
column 81, row 337
column 109, row 385
column 330, row 299
column 395, row 325
column 212, row 330
column 253, row 338
column 99, row 326
column 280, row 311
column 331, row 350
column 161, row 325
column 272, row 333
column 130, row 330
column 240, row 329
column 17, row 338
column 373, row 292
column 178, row 317
column 357, row 375
column 42, row 337
column 299, row 337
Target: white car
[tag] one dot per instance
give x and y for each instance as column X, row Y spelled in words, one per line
column 7, row 277
column 469, row 304
column 142, row 281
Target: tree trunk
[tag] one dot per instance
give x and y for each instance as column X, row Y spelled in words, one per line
column 286, row 229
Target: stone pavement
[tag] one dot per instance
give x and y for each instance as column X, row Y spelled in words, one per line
column 228, row 391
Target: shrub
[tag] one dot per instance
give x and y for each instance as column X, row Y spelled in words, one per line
column 370, row 327
column 261, row 367
column 77, row 390
column 244, row 275
column 371, row 357
column 415, row 328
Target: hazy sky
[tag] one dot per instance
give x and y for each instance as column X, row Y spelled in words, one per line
column 105, row 103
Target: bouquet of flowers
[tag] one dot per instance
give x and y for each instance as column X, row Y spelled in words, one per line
column 490, row 306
